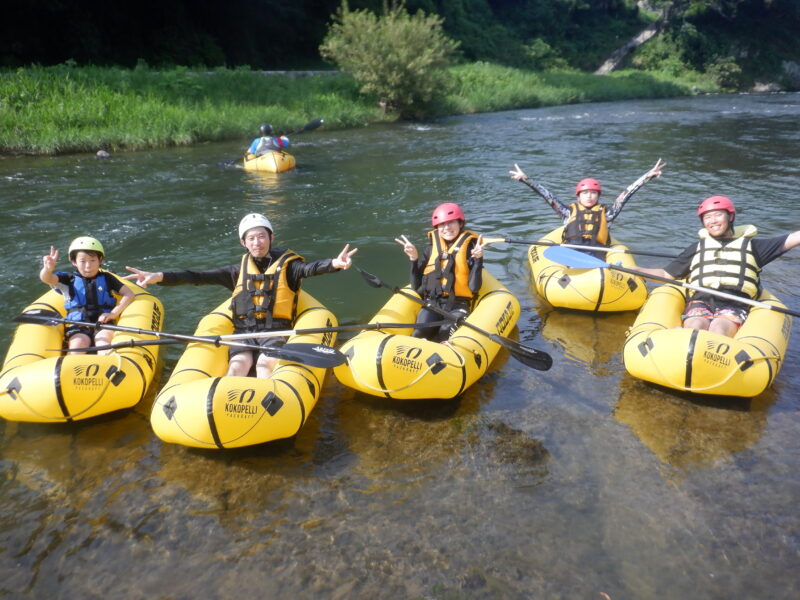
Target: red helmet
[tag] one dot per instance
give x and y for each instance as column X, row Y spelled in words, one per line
column 716, row 203
column 587, row 184
column 447, row 212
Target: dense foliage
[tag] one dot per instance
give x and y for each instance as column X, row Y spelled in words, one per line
column 398, row 57
column 735, row 41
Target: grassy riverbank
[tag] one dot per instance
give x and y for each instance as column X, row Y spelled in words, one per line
column 54, row 110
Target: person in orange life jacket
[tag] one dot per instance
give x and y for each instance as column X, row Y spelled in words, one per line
column 87, row 292
column 449, row 272
column 728, row 259
column 586, row 222
column 266, row 278
column 266, row 143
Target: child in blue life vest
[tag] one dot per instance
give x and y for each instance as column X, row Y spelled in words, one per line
column 450, row 271
column 586, row 222
column 267, row 143
column 88, row 292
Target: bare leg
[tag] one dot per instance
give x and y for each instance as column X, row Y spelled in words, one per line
column 103, row 338
column 240, row 364
column 79, row 340
column 264, row 366
column 697, row 323
column 724, row 326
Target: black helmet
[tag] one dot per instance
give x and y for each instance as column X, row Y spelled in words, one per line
column 266, row 129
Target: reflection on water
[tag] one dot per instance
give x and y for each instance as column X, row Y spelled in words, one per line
column 687, row 431
column 586, row 338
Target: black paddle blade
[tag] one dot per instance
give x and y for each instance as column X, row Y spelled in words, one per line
column 314, row 355
column 536, row 359
column 313, row 124
column 39, row 317
column 372, row 279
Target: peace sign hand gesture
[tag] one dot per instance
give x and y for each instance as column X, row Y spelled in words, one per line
column 49, row 260
column 477, row 249
column 517, row 174
column 408, row 247
column 343, row 261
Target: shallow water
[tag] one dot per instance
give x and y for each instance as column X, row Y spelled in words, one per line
column 562, row 484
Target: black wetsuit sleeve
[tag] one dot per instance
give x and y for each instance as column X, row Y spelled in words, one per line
column 768, row 249
column 224, row 276
column 416, row 268
column 300, row 269
column 475, row 270
column 679, row 268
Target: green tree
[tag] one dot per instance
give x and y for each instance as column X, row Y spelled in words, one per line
column 398, row 57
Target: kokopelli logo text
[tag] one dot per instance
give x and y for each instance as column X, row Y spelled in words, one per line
column 87, row 376
column 717, row 353
column 406, row 357
column 240, row 403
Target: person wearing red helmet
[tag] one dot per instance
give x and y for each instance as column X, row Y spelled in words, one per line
column 586, row 221
column 449, row 272
column 728, row 258
column 264, row 286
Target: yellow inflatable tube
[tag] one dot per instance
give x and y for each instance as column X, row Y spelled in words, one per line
column 41, row 384
column 599, row 289
column 271, row 162
column 659, row 350
column 392, row 364
column 202, row 407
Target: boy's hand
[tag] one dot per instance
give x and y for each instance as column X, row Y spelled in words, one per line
column 49, row 261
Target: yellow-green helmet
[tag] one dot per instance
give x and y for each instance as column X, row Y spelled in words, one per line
column 85, row 243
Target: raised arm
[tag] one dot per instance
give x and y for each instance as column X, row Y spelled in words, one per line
column 613, row 210
column 144, row 278
column 559, row 207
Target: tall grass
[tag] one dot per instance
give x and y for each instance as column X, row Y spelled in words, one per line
column 52, row 110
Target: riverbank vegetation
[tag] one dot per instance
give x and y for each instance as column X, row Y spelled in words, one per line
column 414, row 59
column 66, row 108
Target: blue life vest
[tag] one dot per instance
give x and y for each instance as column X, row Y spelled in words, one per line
column 76, row 300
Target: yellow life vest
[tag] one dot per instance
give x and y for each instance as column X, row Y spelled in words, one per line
column 726, row 264
column 586, row 225
column 446, row 275
column 259, row 298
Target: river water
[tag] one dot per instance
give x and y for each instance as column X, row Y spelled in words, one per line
column 571, row 483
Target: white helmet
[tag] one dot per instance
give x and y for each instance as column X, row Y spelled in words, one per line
column 253, row 220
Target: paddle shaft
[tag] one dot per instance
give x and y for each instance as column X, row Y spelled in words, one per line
column 705, row 290
column 312, row 330
column 576, row 246
column 310, row 356
column 530, row 356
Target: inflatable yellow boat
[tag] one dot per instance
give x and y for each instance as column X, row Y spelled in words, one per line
column 272, row 162
column 597, row 289
column 202, row 407
column 395, row 365
column 659, row 350
column 39, row 383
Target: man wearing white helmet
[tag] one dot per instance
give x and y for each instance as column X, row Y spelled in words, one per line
column 89, row 292
column 264, row 284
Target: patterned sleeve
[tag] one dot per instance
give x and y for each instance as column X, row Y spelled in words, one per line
column 561, row 209
column 614, row 209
